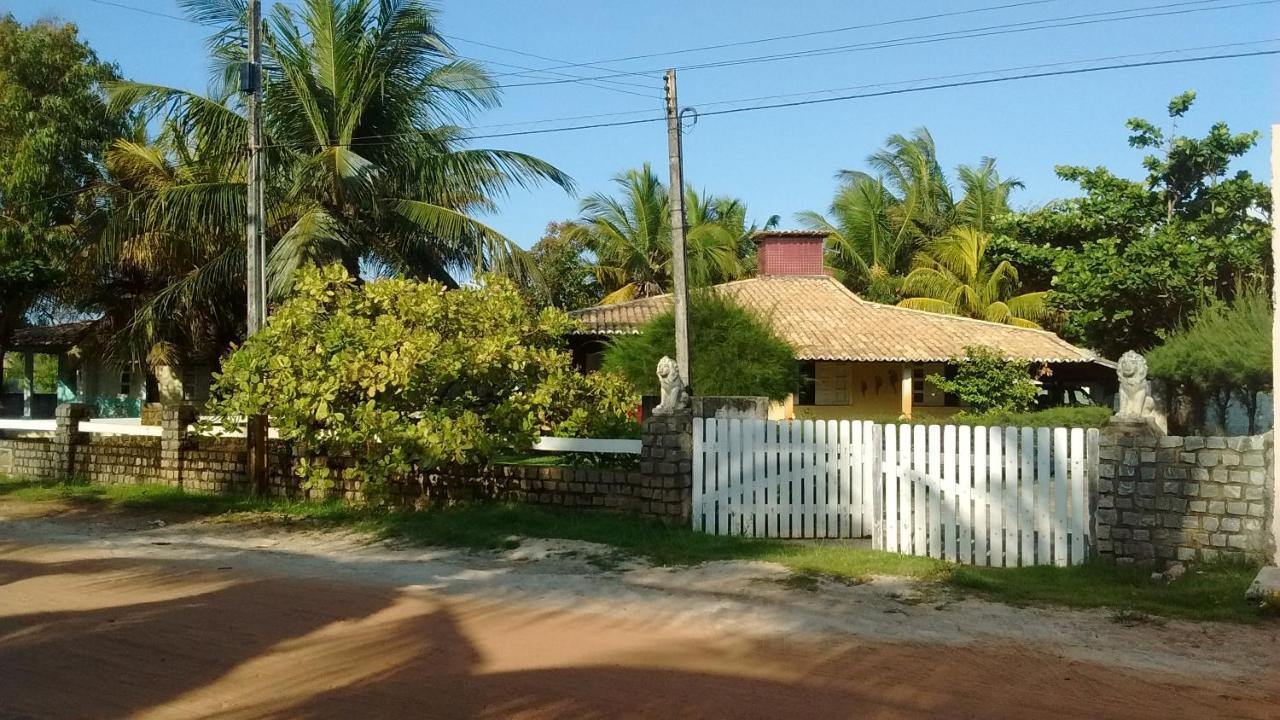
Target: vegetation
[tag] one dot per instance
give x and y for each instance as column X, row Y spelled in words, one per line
column 564, row 278
column 54, row 129
column 365, row 112
column 880, row 219
column 985, row 381
column 1131, row 260
column 432, row 377
column 1214, row 592
column 954, row 275
column 630, row 237
column 1079, row 416
column 1224, row 353
column 733, row 352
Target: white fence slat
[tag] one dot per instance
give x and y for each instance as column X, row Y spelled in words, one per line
column 890, row 463
column 1079, row 514
column 28, row 425
column 904, row 488
column 1044, row 497
column 757, row 477
column 1092, row 441
column 964, row 464
column 919, row 522
column 871, row 481
column 844, row 471
column 1060, row 455
column 933, row 488
column 590, row 445
column 981, row 514
column 699, row 478
column 874, row 459
column 995, row 498
column 949, row 492
column 1027, row 497
column 1010, row 502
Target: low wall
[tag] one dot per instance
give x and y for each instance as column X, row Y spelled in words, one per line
column 661, row 489
column 1171, row 498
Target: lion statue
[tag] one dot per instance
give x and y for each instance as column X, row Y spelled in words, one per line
column 675, row 396
column 1135, row 391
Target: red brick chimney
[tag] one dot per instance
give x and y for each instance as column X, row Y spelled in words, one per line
column 789, row 252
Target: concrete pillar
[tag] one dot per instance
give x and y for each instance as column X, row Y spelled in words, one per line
column 906, row 390
column 67, row 436
column 174, row 420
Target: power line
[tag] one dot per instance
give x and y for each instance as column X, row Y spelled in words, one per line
column 799, row 103
column 732, row 101
column 551, row 71
column 145, row 11
column 812, row 33
column 989, row 31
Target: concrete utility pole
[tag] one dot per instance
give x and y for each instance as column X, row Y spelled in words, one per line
column 680, row 291
column 1275, row 327
column 255, row 277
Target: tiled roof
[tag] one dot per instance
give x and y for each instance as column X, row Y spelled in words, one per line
column 50, row 337
column 823, row 320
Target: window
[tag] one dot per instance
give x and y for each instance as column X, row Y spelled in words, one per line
column 923, row 392
column 808, row 383
column 126, row 381
column 188, row 382
column 832, row 386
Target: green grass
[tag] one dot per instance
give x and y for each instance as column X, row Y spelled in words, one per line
column 1204, row 593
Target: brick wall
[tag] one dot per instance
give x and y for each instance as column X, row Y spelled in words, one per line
column 1166, row 498
column 217, row 465
column 790, row 254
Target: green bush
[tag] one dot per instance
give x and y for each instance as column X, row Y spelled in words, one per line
column 403, row 376
column 1224, row 351
column 984, row 381
column 1085, row 416
column 734, row 352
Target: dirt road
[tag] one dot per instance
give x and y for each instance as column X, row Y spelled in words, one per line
column 108, row 616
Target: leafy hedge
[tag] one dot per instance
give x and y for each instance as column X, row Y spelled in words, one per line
column 734, row 352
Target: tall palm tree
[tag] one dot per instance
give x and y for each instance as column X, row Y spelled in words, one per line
column 879, row 220
column 364, row 113
column 630, row 236
column 953, row 275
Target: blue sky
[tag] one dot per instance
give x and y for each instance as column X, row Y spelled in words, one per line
column 783, row 161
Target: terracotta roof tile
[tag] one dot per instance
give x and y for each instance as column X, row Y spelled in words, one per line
column 50, row 337
column 823, row 320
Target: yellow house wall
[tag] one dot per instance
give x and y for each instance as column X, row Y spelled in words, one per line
column 875, row 393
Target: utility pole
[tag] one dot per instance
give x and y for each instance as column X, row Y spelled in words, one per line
column 1275, row 324
column 680, row 291
column 255, row 277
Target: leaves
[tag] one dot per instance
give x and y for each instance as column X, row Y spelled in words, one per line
column 985, row 382
column 432, row 376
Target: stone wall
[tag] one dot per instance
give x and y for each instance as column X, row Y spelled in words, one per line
column 217, row 466
column 1162, row 499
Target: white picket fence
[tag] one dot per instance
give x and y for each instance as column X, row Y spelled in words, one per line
column 975, row 495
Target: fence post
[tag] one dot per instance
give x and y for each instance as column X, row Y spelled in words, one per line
column 666, row 461
column 66, row 436
column 174, row 420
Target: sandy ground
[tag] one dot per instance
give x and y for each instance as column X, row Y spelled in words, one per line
column 115, row 616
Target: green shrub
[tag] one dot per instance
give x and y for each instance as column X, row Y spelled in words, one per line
column 734, row 352
column 984, row 381
column 403, row 376
column 1224, row 351
column 1080, row 416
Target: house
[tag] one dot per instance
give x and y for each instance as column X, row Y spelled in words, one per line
column 859, row 359
column 51, row 364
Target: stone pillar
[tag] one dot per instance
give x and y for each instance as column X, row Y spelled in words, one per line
column 66, row 436
column 174, row 420
column 666, row 463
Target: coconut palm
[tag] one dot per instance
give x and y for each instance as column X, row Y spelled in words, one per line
column 952, row 275
column 879, row 220
column 630, row 236
column 367, row 163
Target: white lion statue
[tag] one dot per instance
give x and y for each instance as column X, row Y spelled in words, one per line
column 1135, row 391
column 675, row 396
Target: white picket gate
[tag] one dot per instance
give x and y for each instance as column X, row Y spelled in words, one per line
column 974, row 495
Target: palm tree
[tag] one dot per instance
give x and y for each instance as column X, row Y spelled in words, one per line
column 364, row 110
column 952, row 275
column 630, row 236
column 878, row 221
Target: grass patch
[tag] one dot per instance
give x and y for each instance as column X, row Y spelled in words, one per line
column 1214, row 592
column 1206, row 592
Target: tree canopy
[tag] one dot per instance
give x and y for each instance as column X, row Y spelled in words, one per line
column 733, row 351
column 54, row 130
column 1131, row 260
